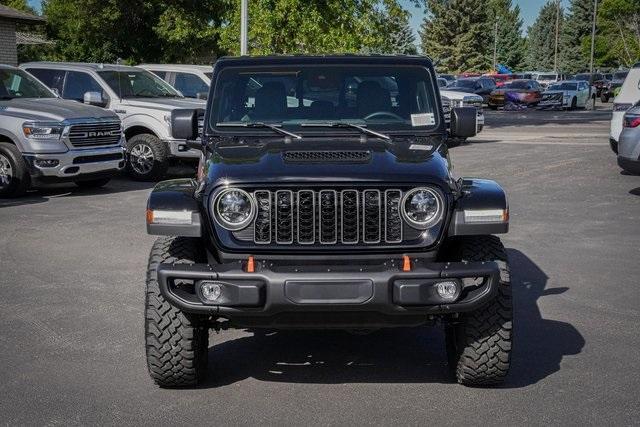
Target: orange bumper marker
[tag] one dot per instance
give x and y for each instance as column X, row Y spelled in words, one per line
column 251, row 266
column 406, row 263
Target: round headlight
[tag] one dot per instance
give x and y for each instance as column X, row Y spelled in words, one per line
column 422, row 208
column 234, row 209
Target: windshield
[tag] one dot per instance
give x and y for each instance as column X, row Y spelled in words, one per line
column 584, row 77
column 379, row 97
column 138, row 84
column 19, row 84
column 620, row 75
column 546, row 76
column 564, row 86
column 466, row 83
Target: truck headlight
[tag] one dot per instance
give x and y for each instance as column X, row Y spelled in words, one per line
column 422, row 208
column 234, row 209
column 42, row 131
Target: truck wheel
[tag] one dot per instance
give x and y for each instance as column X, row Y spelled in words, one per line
column 574, row 103
column 93, row 183
column 479, row 342
column 604, row 98
column 148, row 157
column 176, row 343
column 14, row 177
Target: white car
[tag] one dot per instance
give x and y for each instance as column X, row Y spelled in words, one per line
column 191, row 80
column 574, row 94
column 451, row 99
column 628, row 96
column 545, row 79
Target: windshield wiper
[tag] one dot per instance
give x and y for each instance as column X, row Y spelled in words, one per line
column 361, row 128
column 275, row 128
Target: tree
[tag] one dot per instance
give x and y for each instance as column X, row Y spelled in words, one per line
column 398, row 34
column 618, row 38
column 510, row 43
column 455, row 33
column 575, row 53
column 542, row 38
column 311, row 26
column 18, row 5
column 134, row 30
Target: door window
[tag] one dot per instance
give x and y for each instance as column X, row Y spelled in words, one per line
column 190, row 84
column 78, row 83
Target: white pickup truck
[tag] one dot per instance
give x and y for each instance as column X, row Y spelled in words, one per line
column 144, row 103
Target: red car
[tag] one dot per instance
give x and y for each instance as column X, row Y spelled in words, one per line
column 501, row 79
column 525, row 92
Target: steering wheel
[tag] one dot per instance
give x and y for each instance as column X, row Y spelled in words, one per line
column 384, row 113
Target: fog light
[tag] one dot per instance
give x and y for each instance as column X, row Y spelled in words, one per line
column 210, row 291
column 448, row 291
column 47, row 163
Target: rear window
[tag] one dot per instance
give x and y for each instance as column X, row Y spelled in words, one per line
column 391, row 98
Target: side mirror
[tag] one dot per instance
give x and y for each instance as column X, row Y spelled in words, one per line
column 202, row 95
column 184, row 124
column 94, row 98
column 463, row 122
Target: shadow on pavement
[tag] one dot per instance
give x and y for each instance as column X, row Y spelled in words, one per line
column 635, row 191
column 533, row 117
column 407, row 355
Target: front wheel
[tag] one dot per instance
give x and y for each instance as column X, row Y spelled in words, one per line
column 176, row 343
column 479, row 342
column 14, row 177
column 148, row 157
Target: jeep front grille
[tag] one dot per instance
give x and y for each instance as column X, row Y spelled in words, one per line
column 95, row 134
column 328, row 217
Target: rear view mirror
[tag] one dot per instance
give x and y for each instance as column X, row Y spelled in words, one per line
column 184, row 124
column 463, row 122
column 94, row 98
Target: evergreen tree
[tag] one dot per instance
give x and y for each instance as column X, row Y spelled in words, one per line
column 542, row 38
column 509, row 41
column 401, row 39
column 455, row 33
column 574, row 51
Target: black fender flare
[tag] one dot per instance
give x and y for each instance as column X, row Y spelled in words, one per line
column 481, row 209
column 173, row 209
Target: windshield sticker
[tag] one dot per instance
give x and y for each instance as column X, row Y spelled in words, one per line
column 423, row 119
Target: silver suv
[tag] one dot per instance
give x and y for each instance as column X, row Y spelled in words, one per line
column 143, row 101
column 44, row 138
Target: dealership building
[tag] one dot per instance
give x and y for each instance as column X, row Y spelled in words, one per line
column 12, row 25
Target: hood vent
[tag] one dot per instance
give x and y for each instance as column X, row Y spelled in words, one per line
column 335, row 156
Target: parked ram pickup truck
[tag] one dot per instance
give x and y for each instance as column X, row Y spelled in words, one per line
column 142, row 100
column 324, row 200
column 46, row 139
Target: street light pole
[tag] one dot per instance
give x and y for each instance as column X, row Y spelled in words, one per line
column 244, row 18
column 593, row 41
column 495, row 47
column 555, row 54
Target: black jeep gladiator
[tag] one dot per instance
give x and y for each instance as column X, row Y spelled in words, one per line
column 325, row 198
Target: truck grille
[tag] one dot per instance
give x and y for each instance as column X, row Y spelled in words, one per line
column 95, row 134
column 328, row 217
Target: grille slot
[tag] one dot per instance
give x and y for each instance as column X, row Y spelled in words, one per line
column 336, row 156
column 95, row 134
column 328, row 217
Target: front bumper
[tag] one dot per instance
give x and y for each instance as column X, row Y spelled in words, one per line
column 76, row 163
column 328, row 296
column 179, row 149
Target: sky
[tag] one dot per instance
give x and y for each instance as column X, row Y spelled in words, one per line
column 528, row 9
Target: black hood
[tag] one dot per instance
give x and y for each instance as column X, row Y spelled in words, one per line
column 331, row 161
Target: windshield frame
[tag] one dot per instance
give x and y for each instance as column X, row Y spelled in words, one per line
column 304, row 128
column 31, row 79
column 174, row 93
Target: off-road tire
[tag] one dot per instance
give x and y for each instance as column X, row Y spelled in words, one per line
column 20, row 180
column 161, row 155
column 176, row 342
column 479, row 342
column 93, row 183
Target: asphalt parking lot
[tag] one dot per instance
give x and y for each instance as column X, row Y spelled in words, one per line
column 72, row 267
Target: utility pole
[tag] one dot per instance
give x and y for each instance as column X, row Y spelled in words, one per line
column 555, row 54
column 244, row 18
column 593, row 41
column 495, row 47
